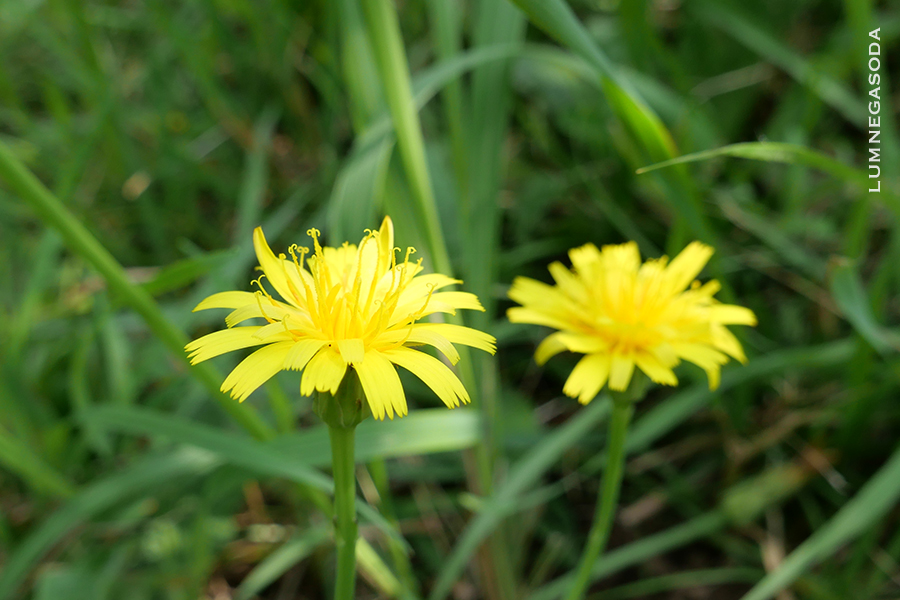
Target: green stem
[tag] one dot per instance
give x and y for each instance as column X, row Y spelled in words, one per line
column 345, row 529
column 609, row 497
column 393, row 70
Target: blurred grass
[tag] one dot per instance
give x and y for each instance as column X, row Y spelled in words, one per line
column 140, row 143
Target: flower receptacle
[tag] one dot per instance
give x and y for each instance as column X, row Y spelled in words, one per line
column 346, row 408
column 636, row 390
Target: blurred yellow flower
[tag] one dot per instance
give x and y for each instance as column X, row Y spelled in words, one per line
column 620, row 314
column 348, row 307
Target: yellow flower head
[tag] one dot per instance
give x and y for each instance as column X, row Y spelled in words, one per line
column 620, row 313
column 353, row 306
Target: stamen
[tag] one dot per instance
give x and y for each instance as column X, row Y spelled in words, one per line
column 431, row 287
column 258, row 281
column 294, row 248
column 261, row 311
column 287, row 329
column 314, row 234
column 413, row 317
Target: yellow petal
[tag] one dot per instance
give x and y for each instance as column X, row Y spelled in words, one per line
column 571, row 285
column 352, row 351
column 705, row 357
column 714, row 374
column 272, row 266
column 422, row 285
column 324, row 372
column 382, row 386
column 525, row 290
column 622, row 257
column 620, row 370
column 587, row 378
column 458, row 300
column 255, row 370
column 725, row 341
column 685, row 267
column 296, row 326
column 227, row 340
column 459, row 334
column 521, row 314
column 730, row 314
column 264, row 308
column 301, row 353
column 441, row 302
column 549, row 347
column 586, row 260
column 700, row 354
column 385, row 245
column 227, row 300
column 432, row 372
column 655, row 369
column 583, row 343
column 423, row 336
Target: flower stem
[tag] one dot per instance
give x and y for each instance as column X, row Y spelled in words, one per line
column 345, row 529
column 609, row 497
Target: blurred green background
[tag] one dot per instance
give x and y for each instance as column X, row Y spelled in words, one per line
column 168, row 130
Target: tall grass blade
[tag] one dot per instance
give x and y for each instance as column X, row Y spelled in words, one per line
column 20, row 459
column 522, row 475
column 80, row 240
column 879, row 495
column 850, row 295
column 557, row 19
column 97, row 497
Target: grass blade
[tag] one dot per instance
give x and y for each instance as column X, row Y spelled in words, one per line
column 18, row 458
column 783, row 153
column 831, row 91
column 521, row 476
column 557, row 19
column 390, row 59
column 742, row 504
column 851, row 297
column 880, row 494
column 80, row 240
column 93, row 500
column 277, row 563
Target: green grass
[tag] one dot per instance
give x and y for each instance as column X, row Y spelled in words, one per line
column 141, row 142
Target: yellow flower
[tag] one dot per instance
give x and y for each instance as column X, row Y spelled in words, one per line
column 348, row 307
column 620, row 314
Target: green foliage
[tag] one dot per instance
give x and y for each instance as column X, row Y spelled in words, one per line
column 141, row 142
